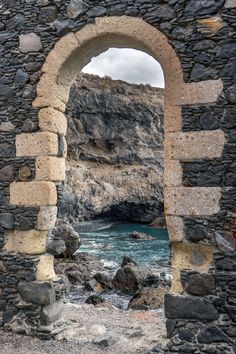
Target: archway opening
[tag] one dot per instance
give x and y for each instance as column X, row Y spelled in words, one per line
column 113, row 192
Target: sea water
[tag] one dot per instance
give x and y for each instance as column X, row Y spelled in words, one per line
column 111, row 242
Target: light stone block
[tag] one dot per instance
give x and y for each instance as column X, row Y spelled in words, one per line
column 46, row 218
column 29, row 42
column 53, row 121
column 189, row 256
column 50, row 168
column 194, row 145
column 173, row 173
column 202, row 92
column 33, row 193
column 45, row 268
column 192, row 201
column 172, row 118
column 175, row 227
column 36, row 144
column 29, row 242
column 230, row 3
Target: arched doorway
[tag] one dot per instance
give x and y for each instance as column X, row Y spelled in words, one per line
column 63, row 63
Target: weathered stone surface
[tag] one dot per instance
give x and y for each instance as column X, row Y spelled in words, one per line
column 36, row 292
column 71, row 238
column 230, row 3
column 7, row 220
column 46, row 217
column 51, row 313
column 197, row 145
column 21, row 78
column 186, row 307
column 97, row 11
column 52, row 120
column 192, row 201
column 196, row 233
column 56, row 247
column 200, row 284
column 175, row 226
column 212, row 334
column 50, row 168
column 75, row 8
column 30, row 42
column 33, row 193
column 30, row 242
column 48, row 14
column 201, row 7
column 36, row 144
column 148, row 298
column 45, row 268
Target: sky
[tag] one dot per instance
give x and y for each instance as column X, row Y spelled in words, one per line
column 129, row 65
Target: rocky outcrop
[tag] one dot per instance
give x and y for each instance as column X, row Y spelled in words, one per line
column 115, row 150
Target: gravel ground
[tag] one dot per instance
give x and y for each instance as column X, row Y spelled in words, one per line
column 91, row 330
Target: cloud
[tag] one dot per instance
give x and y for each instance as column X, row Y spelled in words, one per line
column 129, row 65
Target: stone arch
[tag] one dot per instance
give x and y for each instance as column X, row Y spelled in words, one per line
column 48, row 146
column 69, row 56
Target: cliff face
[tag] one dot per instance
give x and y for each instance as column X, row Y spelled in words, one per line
column 115, row 150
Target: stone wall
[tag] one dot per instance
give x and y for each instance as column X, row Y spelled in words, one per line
column 194, row 41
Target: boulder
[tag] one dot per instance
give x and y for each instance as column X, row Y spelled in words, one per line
column 104, row 280
column 140, row 236
column 37, row 292
column 71, row 238
column 131, row 277
column 95, row 300
column 127, row 260
column 51, row 313
column 80, row 269
column 151, row 298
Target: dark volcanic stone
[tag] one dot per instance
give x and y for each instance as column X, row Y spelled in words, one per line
column 208, row 179
column 6, row 174
column 170, row 327
column 186, row 334
column 208, row 121
column 48, row 14
column 37, row 293
column 16, row 22
column 231, row 94
column 21, row 78
column 9, row 313
column 56, row 247
column 6, row 91
column 97, row 11
column 226, row 264
column 200, row 284
column 229, row 69
column 201, row 72
column 186, row 307
column 202, row 7
column 95, row 300
column 196, row 233
column 212, row 334
column 51, row 313
column 76, row 7
column 7, row 221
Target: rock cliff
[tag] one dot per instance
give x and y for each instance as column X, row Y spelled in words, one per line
column 115, row 151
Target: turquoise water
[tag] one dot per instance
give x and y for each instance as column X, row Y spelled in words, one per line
column 113, row 243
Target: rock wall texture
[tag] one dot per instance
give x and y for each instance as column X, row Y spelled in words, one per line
column 115, row 151
column 200, row 158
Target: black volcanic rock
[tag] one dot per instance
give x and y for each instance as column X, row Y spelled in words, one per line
column 115, row 151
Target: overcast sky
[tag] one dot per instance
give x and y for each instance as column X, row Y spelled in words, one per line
column 127, row 64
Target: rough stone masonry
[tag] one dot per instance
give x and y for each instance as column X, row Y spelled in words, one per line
column 200, row 145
